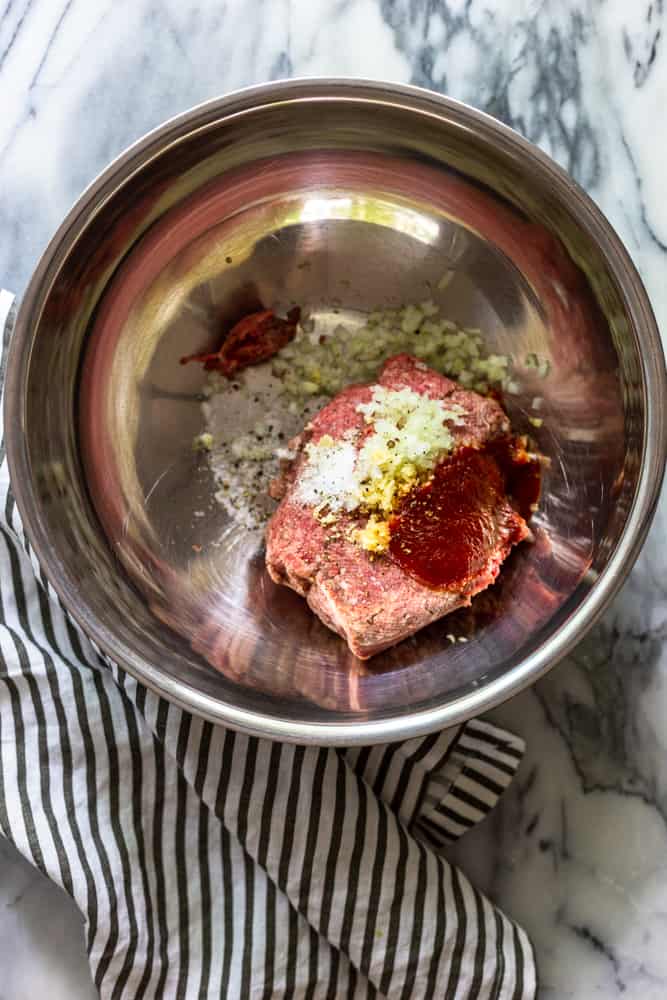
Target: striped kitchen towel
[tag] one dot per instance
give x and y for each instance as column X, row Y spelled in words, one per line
column 211, row 864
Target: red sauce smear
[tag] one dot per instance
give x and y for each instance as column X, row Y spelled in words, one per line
column 255, row 338
column 521, row 470
column 445, row 531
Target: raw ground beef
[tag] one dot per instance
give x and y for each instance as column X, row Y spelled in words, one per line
column 368, row 599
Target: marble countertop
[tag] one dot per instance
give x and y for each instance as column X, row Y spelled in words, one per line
column 577, row 851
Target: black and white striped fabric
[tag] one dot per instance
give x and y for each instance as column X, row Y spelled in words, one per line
column 211, row 864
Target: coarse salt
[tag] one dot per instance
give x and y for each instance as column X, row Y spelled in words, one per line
column 328, row 478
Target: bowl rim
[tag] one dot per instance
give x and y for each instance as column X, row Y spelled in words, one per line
column 654, row 379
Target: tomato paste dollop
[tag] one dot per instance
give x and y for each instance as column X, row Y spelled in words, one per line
column 443, row 531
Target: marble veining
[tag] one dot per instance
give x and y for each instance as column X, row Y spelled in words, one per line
column 578, row 849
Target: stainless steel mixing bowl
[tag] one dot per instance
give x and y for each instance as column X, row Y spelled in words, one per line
column 341, row 196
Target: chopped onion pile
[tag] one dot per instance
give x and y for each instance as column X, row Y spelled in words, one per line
column 316, row 365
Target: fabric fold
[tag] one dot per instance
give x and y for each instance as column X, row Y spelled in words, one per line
column 481, row 763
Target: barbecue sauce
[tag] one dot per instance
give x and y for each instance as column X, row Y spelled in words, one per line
column 443, row 532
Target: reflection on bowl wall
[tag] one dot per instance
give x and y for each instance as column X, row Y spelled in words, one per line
column 341, row 197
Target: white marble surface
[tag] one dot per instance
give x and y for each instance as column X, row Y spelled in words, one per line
column 578, row 850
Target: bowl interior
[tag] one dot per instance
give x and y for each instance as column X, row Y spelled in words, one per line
column 341, row 207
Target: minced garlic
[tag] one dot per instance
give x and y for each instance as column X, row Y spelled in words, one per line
column 374, row 537
column 410, row 434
